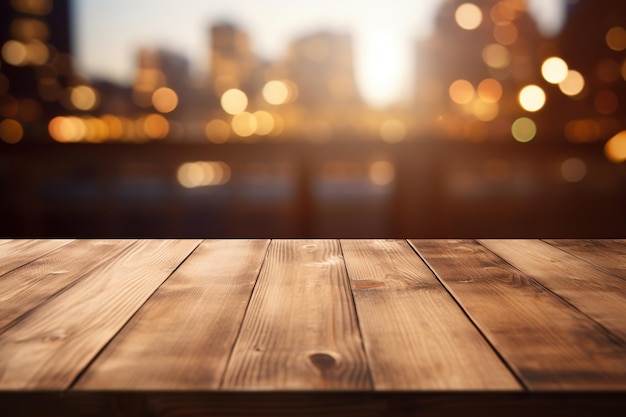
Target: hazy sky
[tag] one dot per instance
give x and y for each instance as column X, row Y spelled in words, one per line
column 108, row 33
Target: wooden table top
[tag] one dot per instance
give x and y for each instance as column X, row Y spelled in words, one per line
column 311, row 317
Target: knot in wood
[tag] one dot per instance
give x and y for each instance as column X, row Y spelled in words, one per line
column 322, row 361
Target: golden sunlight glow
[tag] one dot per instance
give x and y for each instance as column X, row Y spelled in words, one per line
column 203, row 173
column 164, row 100
column 276, row 92
column 554, row 70
column 615, row 148
column 244, row 124
column 84, row 97
column 524, row 129
column 573, row 84
column 461, row 91
column 616, row 38
column 496, row 56
column 532, row 98
column 15, row 53
column 11, row 131
column 234, row 101
column 392, row 131
column 573, row 170
column 217, row 131
column 489, row 90
column 468, row 16
column 381, row 173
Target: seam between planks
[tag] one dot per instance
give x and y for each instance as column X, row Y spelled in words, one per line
column 445, row 287
column 598, row 267
column 356, row 317
column 80, row 374
column 38, row 257
column 243, row 317
column 612, row 336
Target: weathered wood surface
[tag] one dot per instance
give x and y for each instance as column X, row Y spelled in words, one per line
column 261, row 317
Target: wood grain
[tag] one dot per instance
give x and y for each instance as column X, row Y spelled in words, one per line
column 182, row 337
column 545, row 341
column 598, row 294
column 16, row 253
column 50, row 347
column 24, row 288
column 300, row 331
column 416, row 336
column 608, row 255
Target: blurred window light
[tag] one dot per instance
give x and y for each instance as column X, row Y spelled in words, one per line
column 217, row 131
column 505, row 33
column 165, row 100
column 532, row 98
column 234, row 101
column 489, row 90
column 392, row 131
column 615, row 148
column 468, row 16
column 461, row 91
column 276, row 92
column 496, row 56
column 382, row 173
column 11, row 131
column 573, row 84
column 84, row 97
column 554, row 70
column 573, row 170
column 15, row 53
column 616, row 38
column 244, row 124
column 524, row 129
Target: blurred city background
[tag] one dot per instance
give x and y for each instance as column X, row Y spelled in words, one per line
column 440, row 118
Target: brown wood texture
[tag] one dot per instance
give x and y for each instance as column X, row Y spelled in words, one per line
column 16, row 253
column 50, row 347
column 416, row 336
column 300, row 330
column 182, row 337
column 596, row 293
column 606, row 254
column 26, row 287
column 547, row 342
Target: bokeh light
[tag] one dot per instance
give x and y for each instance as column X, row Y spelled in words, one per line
column 392, row 131
column 382, row 173
column 217, row 131
column 489, row 90
column 15, row 53
column 485, row 111
column 573, row 170
column 505, row 33
column 573, row 84
column 244, row 124
column 524, row 129
column 615, row 148
column 155, row 126
column 264, row 122
column 496, row 56
column 616, row 38
column 11, row 131
column 461, row 91
column 234, row 101
column 532, row 98
column 164, row 100
column 276, row 92
column 606, row 102
column 554, row 70
column 203, row 174
column 84, row 97
column 468, row 16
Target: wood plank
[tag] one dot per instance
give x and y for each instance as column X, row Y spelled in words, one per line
column 23, row 289
column 182, row 337
column 300, row 330
column 416, row 336
column 606, row 254
column 18, row 252
column 549, row 344
column 50, row 347
column 598, row 294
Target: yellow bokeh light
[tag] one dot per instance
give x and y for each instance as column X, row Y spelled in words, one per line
column 11, row 131
column 382, row 173
column 244, row 124
column 524, row 129
column 554, row 70
column 616, row 38
column 203, row 173
column 164, row 100
column 67, row 129
column 392, row 131
column 485, row 111
column 573, row 169
column 234, row 101
column 15, row 53
column 461, row 91
column 276, row 92
column 496, row 56
column 505, row 33
column 156, row 126
column 573, row 84
column 489, row 90
column 114, row 125
column 468, row 16
column 84, row 97
column 217, row 131
column 37, row 53
column 532, row 98
column 35, row 7
column 615, row 148
column 265, row 122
